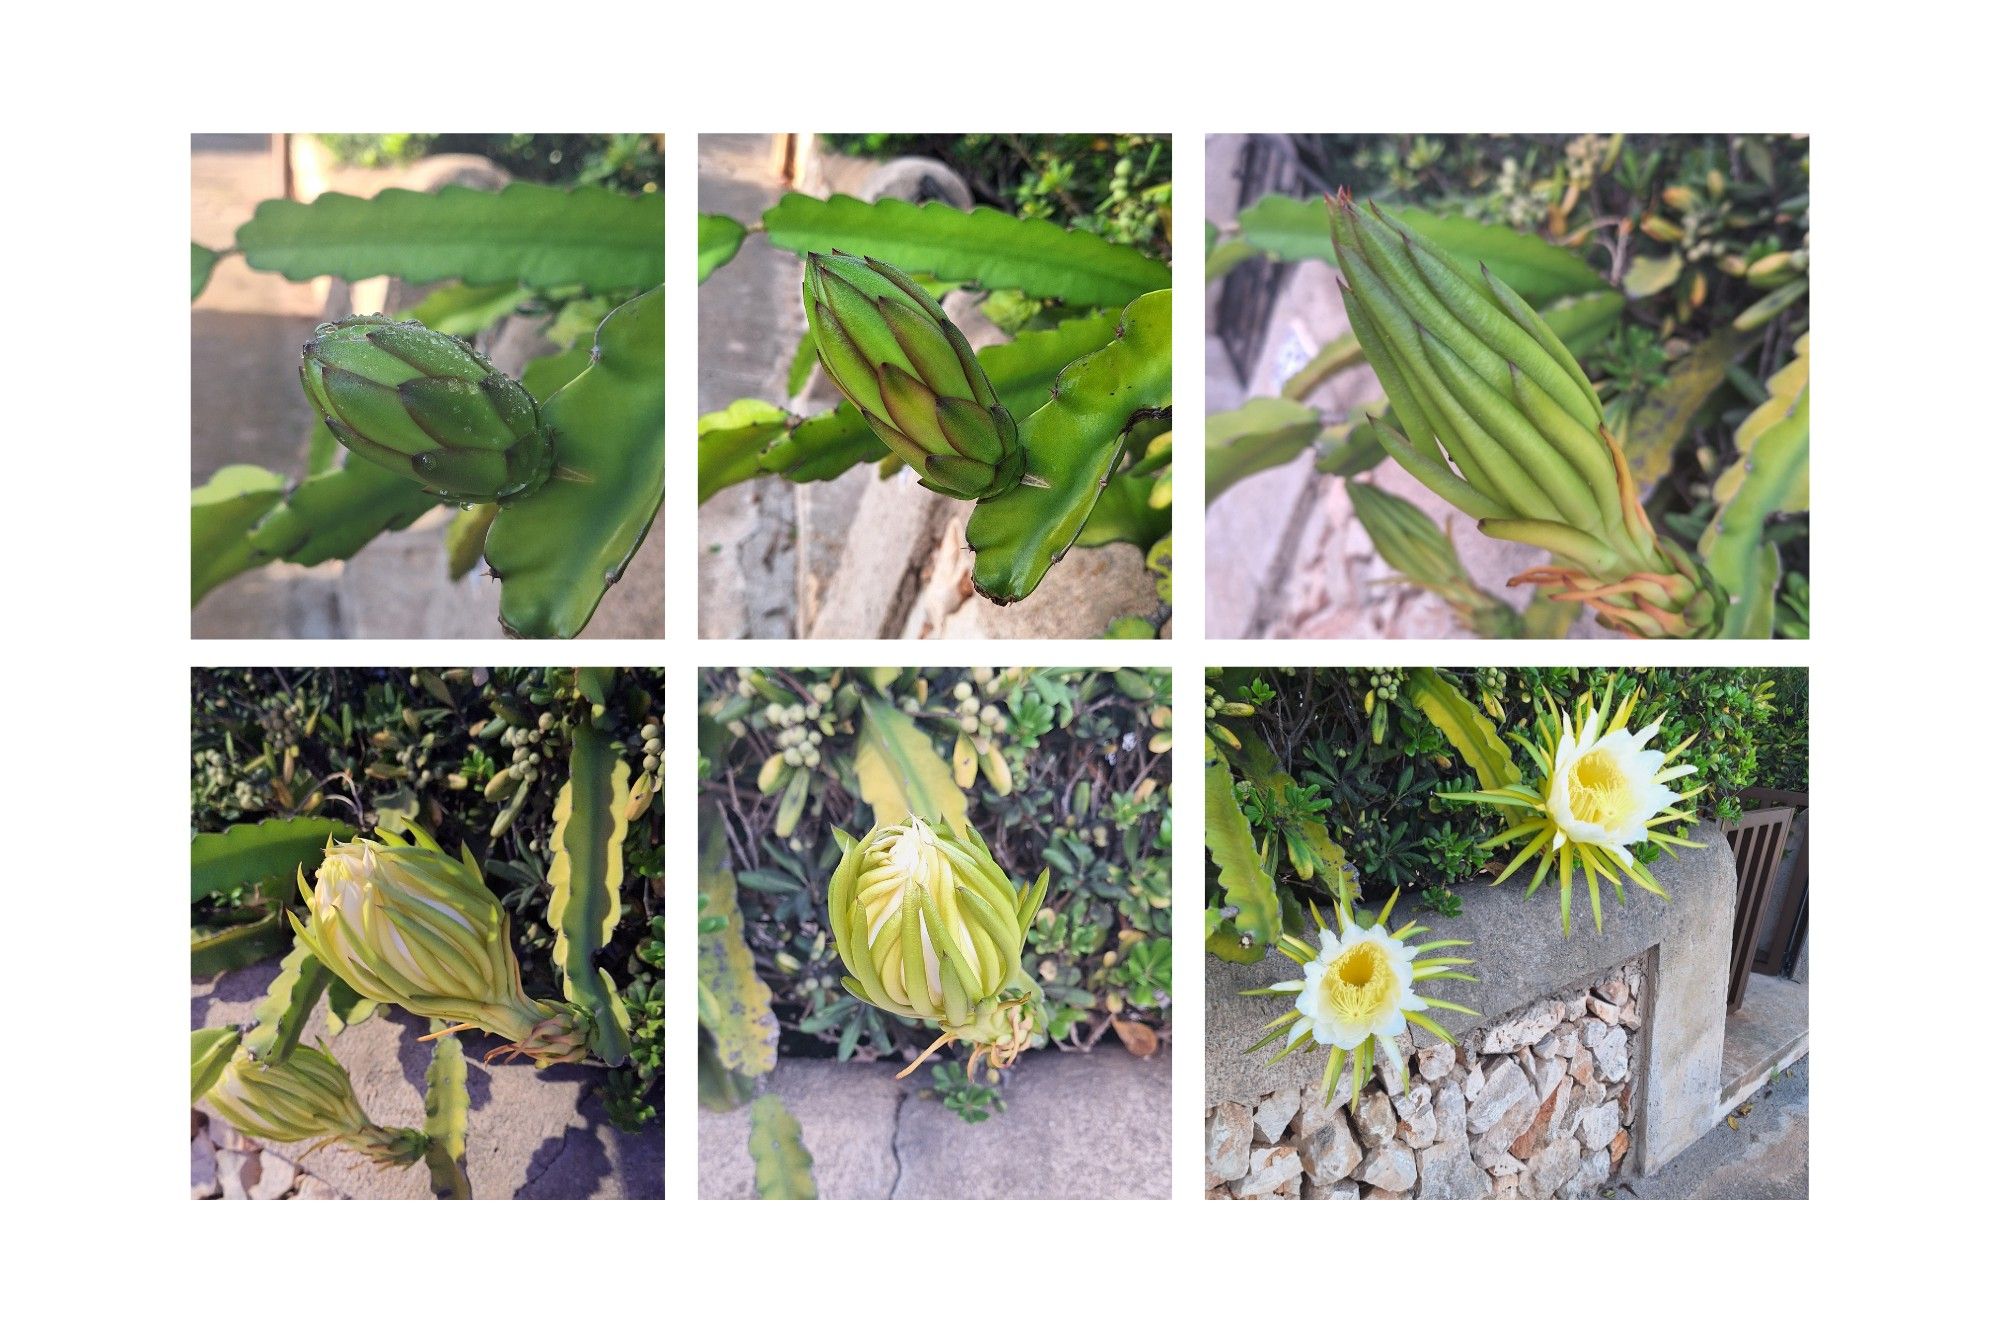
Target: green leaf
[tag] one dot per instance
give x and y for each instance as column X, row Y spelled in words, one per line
column 735, row 1005
column 784, row 1167
column 719, row 238
column 223, row 513
column 334, row 514
column 1664, row 416
column 447, row 1102
column 585, row 877
column 1295, row 229
column 1468, row 729
column 1772, row 474
column 204, row 265
column 1124, row 513
column 1650, row 275
column 533, row 235
column 1246, row 885
column 557, row 550
column 729, row 444
column 245, row 853
column 233, row 947
column 546, row 374
column 1073, row 442
column 983, row 247
column 1263, row 433
column 288, row 1002
column 209, row 1053
column 899, row 773
column 462, row 310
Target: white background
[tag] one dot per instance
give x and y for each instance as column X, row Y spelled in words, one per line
column 96, row 401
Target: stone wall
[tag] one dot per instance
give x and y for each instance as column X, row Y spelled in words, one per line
column 1536, row 1105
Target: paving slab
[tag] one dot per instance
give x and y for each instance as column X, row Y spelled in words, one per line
column 1077, row 1126
column 1766, row 1034
column 530, row 1133
column 1765, row 1155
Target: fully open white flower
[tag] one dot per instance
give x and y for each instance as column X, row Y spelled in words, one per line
column 1607, row 786
column 1359, row 989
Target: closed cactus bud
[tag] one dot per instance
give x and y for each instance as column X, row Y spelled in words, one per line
column 308, row 1096
column 930, row 928
column 892, row 352
column 406, row 923
column 424, row 405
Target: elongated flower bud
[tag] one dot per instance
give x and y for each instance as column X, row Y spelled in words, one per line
column 309, row 1096
column 892, row 352
column 406, row 923
column 426, row 406
column 1504, row 424
column 930, row 927
column 1418, row 550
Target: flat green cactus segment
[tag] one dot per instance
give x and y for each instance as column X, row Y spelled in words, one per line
column 215, row 951
column 209, row 1052
column 288, row 1002
column 901, row 773
column 331, row 515
column 447, row 1102
column 245, row 853
column 1468, row 729
column 1772, row 474
column 534, row 235
column 223, row 513
column 1583, row 321
column 820, row 448
column 730, row 443
column 1073, row 443
column 784, row 1167
column 735, row 1005
column 719, row 238
column 203, row 266
column 465, row 538
column 464, row 310
column 1662, row 419
column 585, row 877
column 984, row 247
column 1293, row 229
column 1246, row 885
column 1263, row 433
column 558, row 549
column 1124, row 513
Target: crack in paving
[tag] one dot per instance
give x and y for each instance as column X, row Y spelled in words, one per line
column 569, row 1135
column 896, row 1139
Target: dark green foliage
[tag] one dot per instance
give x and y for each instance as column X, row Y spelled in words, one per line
column 367, row 744
column 1088, row 800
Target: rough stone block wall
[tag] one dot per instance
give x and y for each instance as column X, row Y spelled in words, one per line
column 1538, row 1104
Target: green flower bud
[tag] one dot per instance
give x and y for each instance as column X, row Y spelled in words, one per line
column 892, row 352
column 929, row 927
column 426, row 406
column 406, row 923
column 309, row 1096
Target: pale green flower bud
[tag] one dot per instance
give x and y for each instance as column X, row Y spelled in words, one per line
column 309, row 1096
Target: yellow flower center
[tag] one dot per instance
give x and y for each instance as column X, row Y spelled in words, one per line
column 1360, row 983
column 1598, row 791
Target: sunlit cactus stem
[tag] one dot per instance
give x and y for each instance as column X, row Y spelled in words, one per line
column 1499, row 419
column 896, row 356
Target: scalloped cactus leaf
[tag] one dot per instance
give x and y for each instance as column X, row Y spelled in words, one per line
column 464, row 310
column 1263, row 433
column 585, row 878
column 784, row 1167
column 288, row 1002
column 535, row 235
column 331, row 515
column 215, row 951
column 447, row 1102
column 1073, row 442
column 729, row 444
column 224, row 512
column 735, row 1004
column 1246, row 885
column 1771, row 475
column 209, row 1053
column 557, row 550
column 718, row 238
column 246, row 852
column 1468, row 729
column 204, row 260
column 900, row 773
column 986, row 247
